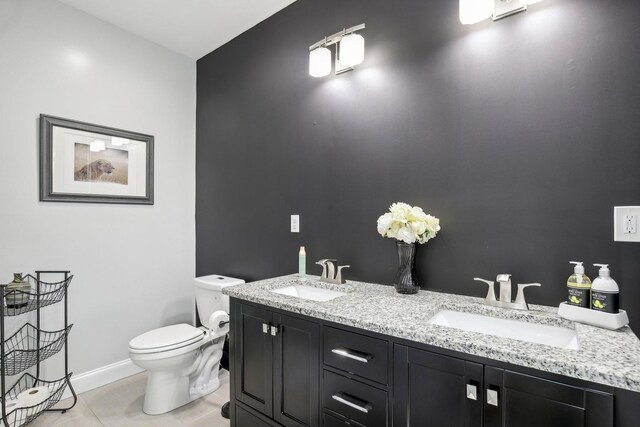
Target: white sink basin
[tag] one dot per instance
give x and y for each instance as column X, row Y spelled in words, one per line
column 554, row 336
column 309, row 292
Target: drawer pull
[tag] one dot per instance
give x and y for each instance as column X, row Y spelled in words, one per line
column 492, row 397
column 347, row 400
column 360, row 357
column 472, row 392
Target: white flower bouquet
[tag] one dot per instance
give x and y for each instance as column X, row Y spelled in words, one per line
column 408, row 224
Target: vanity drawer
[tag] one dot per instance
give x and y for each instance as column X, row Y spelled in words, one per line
column 331, row 421
column 357, row 354
column 357, row 401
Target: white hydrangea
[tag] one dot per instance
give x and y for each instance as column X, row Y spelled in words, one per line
column 407, row 223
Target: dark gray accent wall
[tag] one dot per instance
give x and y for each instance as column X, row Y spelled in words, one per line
column 521, row 135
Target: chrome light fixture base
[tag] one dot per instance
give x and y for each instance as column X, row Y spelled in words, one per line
column 335, row 39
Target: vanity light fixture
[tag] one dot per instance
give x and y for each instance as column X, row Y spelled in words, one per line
column 474, row 11
column 349, row 52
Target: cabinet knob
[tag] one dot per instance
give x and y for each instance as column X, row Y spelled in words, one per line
column 274, row 330
column 492, row 397
column 265, row 328
column 472, row 392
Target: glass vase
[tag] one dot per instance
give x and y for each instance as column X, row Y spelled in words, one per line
column 406, row 279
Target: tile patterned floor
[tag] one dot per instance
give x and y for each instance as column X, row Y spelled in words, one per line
column 120, row 405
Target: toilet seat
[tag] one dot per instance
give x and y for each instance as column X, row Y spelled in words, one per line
column 166, row 339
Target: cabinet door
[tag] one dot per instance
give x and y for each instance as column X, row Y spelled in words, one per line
column 253, row 358
column 431, row 390
column 296, row 372
column 244, row 418
column 514, row 399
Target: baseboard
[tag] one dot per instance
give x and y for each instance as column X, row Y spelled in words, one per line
column 102, row 376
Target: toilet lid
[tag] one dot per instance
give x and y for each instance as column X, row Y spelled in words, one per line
column 167, row 338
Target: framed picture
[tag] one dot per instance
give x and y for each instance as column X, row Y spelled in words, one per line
column 82, row 162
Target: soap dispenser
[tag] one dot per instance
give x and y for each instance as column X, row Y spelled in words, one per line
column 605, row 294
column 579, row 287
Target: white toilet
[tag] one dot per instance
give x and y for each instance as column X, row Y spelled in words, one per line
column 182, row 360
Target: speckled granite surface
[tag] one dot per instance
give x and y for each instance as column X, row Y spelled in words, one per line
column 380, row 308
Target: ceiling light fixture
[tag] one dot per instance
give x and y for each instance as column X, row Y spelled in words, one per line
column 474, row 11
column 349, row 52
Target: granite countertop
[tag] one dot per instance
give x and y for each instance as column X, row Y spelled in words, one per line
column 605, row 357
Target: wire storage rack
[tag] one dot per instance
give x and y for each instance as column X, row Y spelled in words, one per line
column 30, row 396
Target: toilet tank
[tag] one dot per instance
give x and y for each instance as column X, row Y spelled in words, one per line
column 209, row 296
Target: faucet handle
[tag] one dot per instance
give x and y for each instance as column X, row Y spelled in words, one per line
column 491, row 295
column 520, row 296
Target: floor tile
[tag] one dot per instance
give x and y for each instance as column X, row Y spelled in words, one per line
column 80, row 414
column 120, row 405
column 209, row 420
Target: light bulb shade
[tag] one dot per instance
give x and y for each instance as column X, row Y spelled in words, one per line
column 320, row 62
column 473, row 11
column 351, row 50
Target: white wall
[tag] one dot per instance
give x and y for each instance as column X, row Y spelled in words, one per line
column 133, row 265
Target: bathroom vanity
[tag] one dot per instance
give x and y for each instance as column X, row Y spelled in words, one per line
column 372, row 357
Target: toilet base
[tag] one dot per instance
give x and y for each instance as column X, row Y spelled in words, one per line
column 210, row 387
column 166, row 392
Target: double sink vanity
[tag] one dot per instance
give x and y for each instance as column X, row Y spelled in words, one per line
column 307, row 353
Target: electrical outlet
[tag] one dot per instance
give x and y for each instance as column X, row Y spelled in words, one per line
column 625, row 223
column 295, row 223
column 629, row 222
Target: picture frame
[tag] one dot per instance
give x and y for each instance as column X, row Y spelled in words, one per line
column 88, row 163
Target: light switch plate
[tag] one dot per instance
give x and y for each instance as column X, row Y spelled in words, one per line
column 295, row 223
column 625, row 223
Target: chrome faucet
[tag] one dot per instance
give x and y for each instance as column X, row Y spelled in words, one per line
column 331, row 271
column 505, row 293
column 505, row 286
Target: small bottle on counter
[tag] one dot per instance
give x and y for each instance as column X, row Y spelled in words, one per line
column 579, row 287
column 605, row 293
column 302, row 262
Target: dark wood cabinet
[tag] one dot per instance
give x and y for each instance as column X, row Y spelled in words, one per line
column 253, row 357
column 527, row 401
column 276, row 366
column 355, row 400
column 245, row 418
column 294, row 371
column 434, row 390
